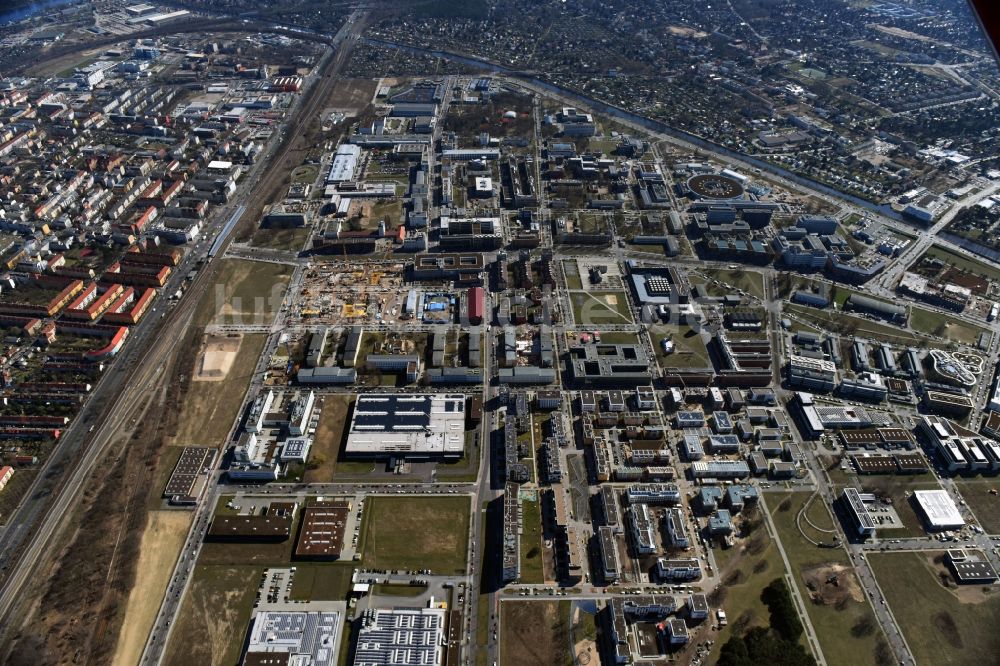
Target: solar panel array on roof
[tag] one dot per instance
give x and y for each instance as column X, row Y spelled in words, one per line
column 189, row 466
column 401, row 637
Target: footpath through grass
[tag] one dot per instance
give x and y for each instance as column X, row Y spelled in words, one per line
column 840, row 613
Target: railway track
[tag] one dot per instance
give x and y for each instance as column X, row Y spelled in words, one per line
column 140, row 370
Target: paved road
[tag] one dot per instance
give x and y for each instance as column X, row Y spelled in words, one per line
column 159, row 635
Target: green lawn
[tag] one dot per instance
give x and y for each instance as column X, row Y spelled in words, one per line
column 944, row 325
column 749, row 281
column 531, row 544
column 976, row 493
column 745, row 574
column 214, row 616
column 834, row 612
column 281, row 239
column 619, row 338
column 689, row 347
column 942, row 626
column 600, row 307
column 850, row 325
column 321, row 582
column 417, row 533
column 306, row 173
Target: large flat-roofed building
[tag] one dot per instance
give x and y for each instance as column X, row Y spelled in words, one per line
column 678, row 569
column 275, row 524
column 300, row 638
column 611, row 567
column 321, row 536
column 344, row 164
column 720, row 469
column 861, row 519
column 970, row 567
column 946, row 402
column 411, row 426
column 403, row 636
column 447, row 266
column 191, row 466
column 815, row 374
column 959, row 448
column 939, row 509
column 641, row 529
column 653, row 493
column 609, row 365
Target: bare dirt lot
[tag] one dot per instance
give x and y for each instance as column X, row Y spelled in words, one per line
column 832, row 584
column 353, row 94
column 209, row 408
column 216, row 357
column 161, row 543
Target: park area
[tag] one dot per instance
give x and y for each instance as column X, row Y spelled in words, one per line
column 745, row 569
column 600, row 308
column 417, row 533
column 943, row 624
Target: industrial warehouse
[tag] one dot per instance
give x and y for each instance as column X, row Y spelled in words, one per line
column 408, row 426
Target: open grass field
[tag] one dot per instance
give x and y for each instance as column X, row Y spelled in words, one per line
column 939, row 626
column 244, row 292
column 417, row 533
column 840, row 613
column 321, row 581
column 944, row 325
column 745, row 572
column 689, row 347
column 963, row 262
column 600, row 308
column 162, row 541
column 535, row 632
column 532, row 562
column 572, row 273
column 619, row 338
column 280, row 239
column 829, row 320
column 307, row 174
column 214, row 617
column 976, row 493
column 210, row 407
column 749, row 281
column 329, row 437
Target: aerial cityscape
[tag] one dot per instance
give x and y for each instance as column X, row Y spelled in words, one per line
column 499, row 332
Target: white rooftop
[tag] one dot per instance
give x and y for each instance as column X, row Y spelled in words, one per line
column 939, row 509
